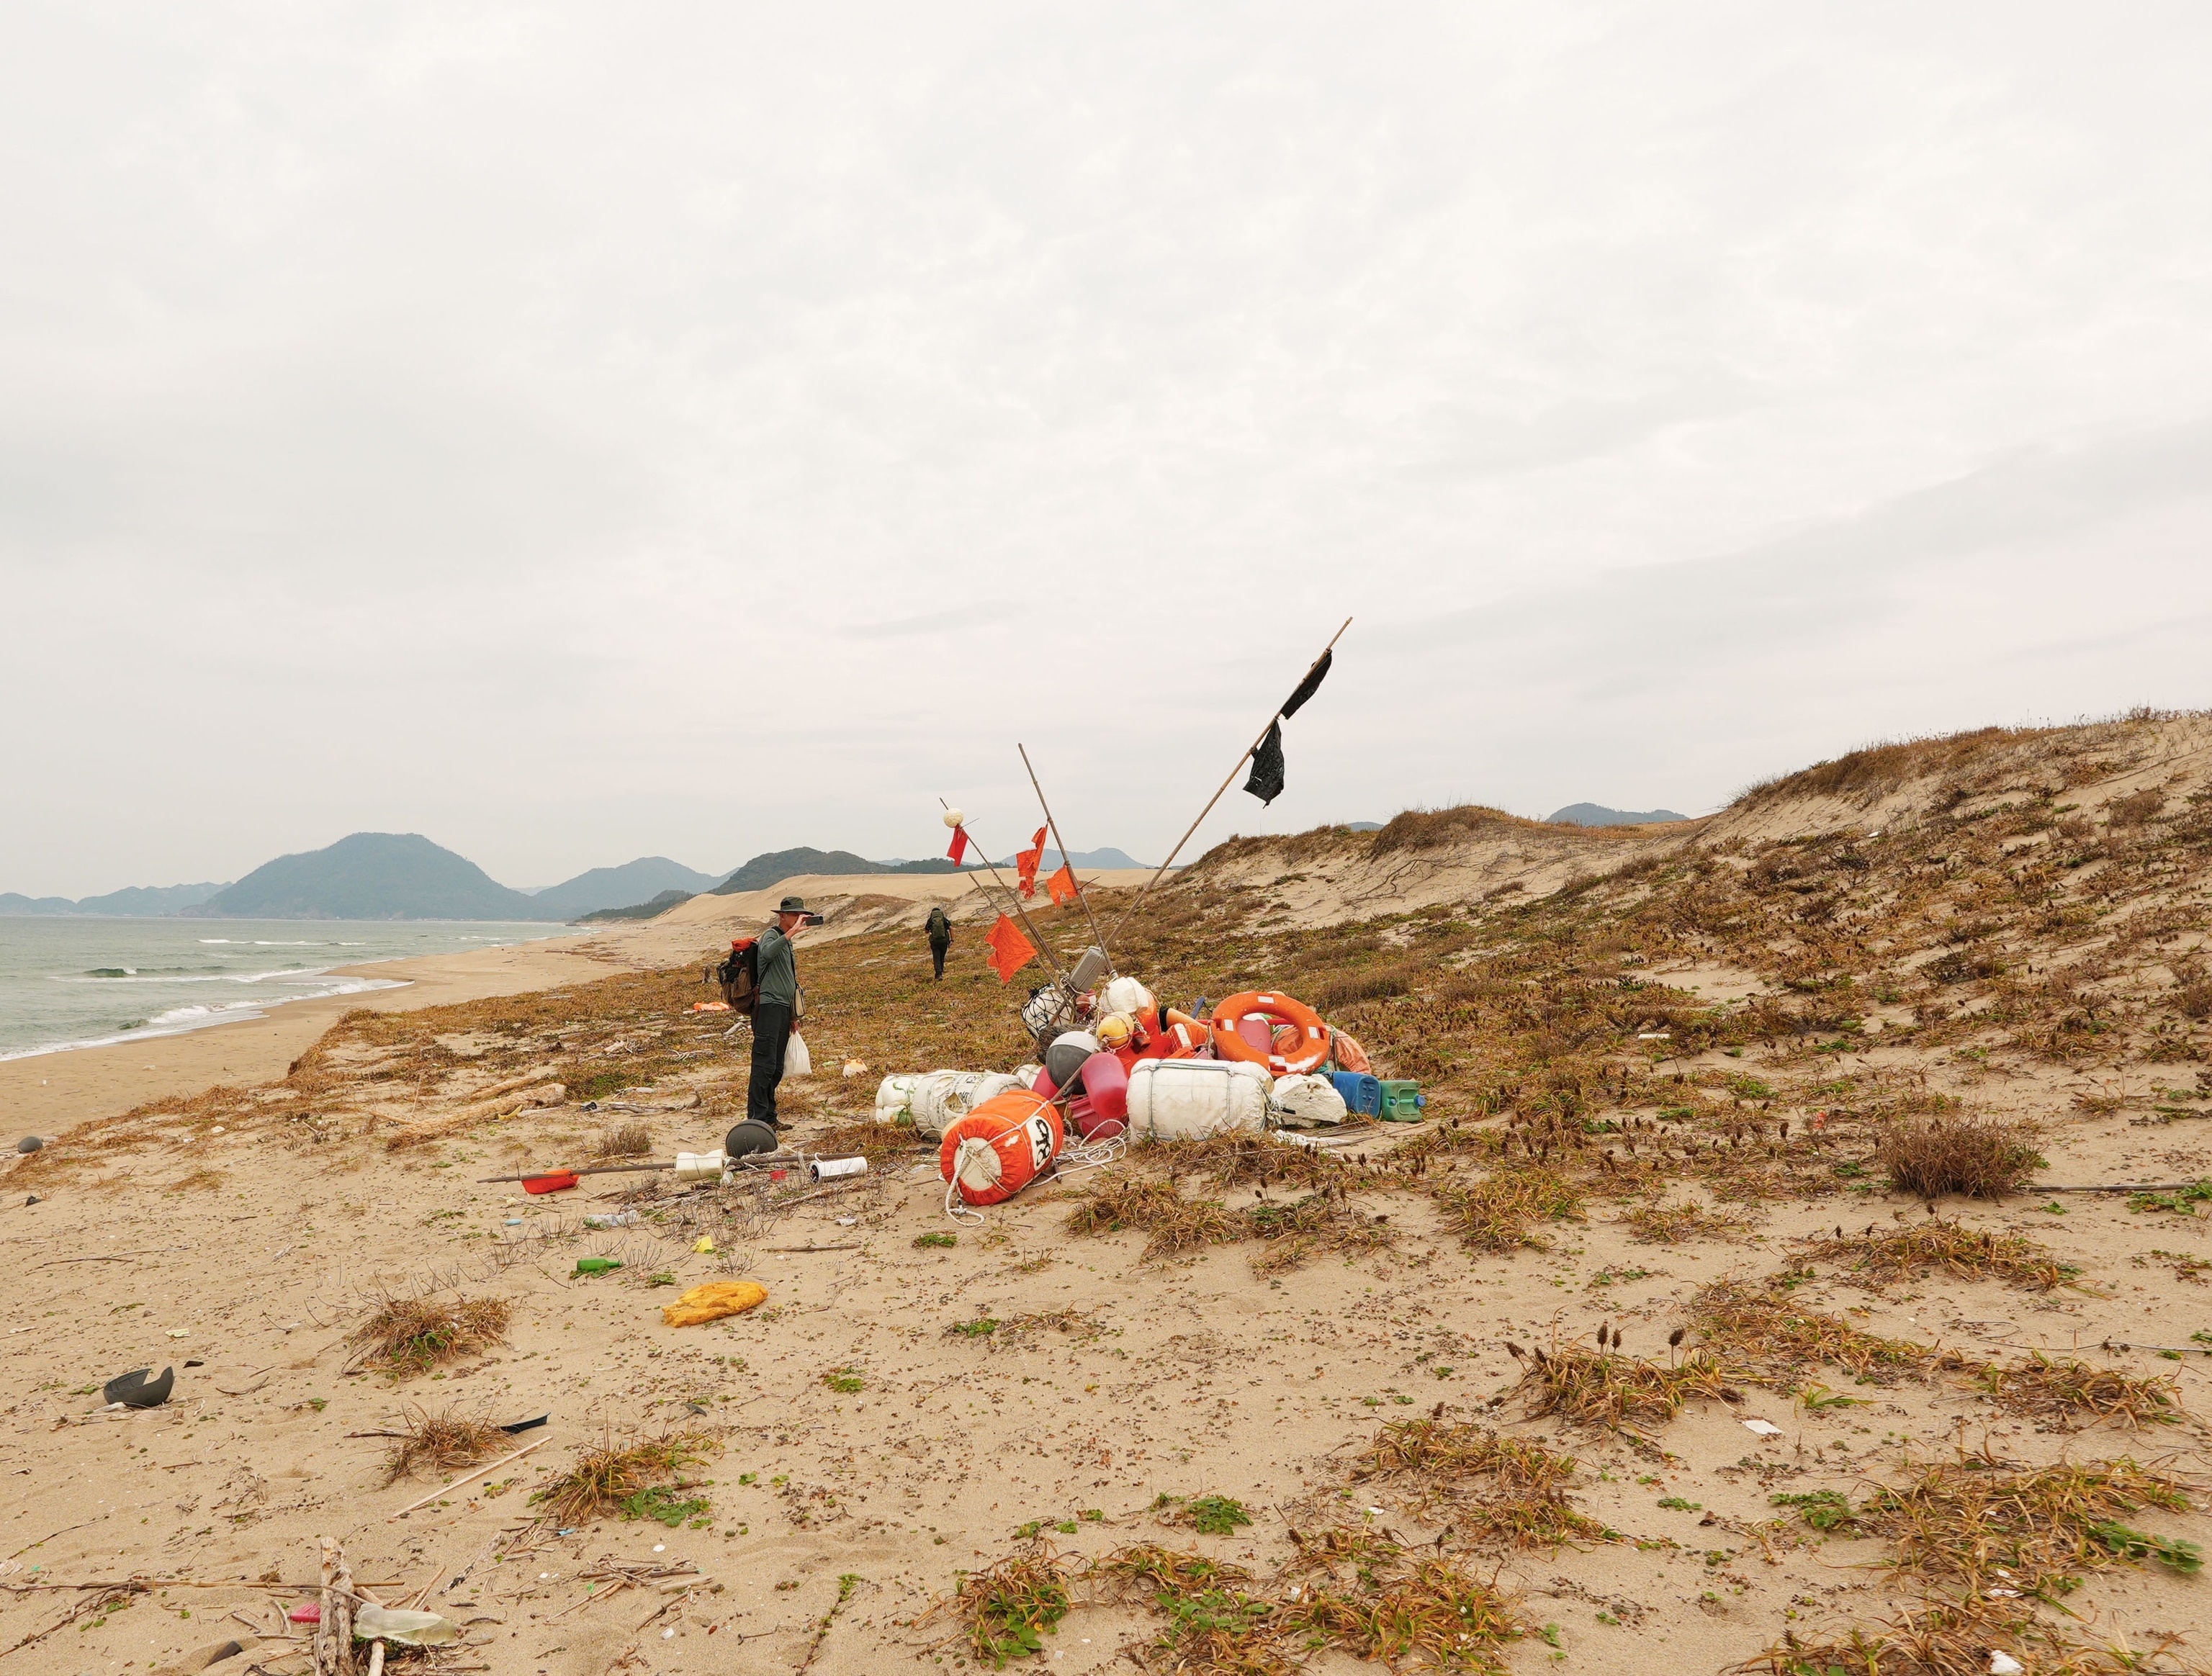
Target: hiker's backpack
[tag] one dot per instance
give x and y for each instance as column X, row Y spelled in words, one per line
column 739, row 975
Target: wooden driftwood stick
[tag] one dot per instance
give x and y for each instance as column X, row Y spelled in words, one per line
column 470, row 1478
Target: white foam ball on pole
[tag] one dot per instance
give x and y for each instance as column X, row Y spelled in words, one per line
column 954, row 816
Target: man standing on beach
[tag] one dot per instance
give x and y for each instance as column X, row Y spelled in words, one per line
column 940, row 938
column 775, row 1012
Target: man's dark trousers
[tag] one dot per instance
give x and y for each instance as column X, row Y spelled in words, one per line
column 937, row 953
column 771, row 1036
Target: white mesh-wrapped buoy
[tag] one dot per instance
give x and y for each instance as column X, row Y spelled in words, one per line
column 954, row 816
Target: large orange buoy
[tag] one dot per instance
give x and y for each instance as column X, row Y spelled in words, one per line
column 1001, row 1147
column 1286, row 1054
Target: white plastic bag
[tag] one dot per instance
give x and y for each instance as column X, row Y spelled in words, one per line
column 797, row 1061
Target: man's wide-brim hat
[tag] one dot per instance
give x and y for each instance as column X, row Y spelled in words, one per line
column 792, row 905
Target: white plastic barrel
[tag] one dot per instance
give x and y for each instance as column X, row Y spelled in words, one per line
column 1191, row 1099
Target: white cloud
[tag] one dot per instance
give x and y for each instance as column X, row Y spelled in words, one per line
column 574, row 434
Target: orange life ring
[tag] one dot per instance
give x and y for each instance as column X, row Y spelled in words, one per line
column 1001, row 1147
column 1311, row 1047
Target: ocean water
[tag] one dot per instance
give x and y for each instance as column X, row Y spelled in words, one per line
column 76, row 983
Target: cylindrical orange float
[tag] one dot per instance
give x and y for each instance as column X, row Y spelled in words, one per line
column 1001, row 1147
column 1290, row 1055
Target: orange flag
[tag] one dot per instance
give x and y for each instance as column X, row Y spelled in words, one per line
column 1010, row 950
column 1029, row 860
column 1062, row 885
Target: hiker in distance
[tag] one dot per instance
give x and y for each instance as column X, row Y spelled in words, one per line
column 940, row 938
column 776, row 1013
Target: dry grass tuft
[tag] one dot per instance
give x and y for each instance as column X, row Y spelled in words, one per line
column 1314, row 1226
column 2049, row 1389
column 607, row 1475
column 1214, row 1624
column 1607, row 1389
column 1175, row 1224
column 1669, row 1225
column 1986, row 1540
column 625, row 1140
column 1763, row 1335
column 1434, row 1613
column 1495, row 1213
column 1244, row 1161
column 442, row 1442
column 1918, row 1247
column 1980, row 1157
column 881, row 1144
column 1507, row 1490
column 409, row 1336
column 1005, row 1611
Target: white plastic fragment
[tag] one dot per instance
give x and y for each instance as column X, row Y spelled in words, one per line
column 2003, row 1664
column 1764, row 1428
column 409, row 1628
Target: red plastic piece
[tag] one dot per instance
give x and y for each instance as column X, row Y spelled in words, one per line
column 552, row 1182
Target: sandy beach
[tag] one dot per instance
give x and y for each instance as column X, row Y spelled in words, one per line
column 1051, row 1384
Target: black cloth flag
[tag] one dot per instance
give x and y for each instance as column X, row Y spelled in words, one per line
column 1307, row 687
column 1267, row 781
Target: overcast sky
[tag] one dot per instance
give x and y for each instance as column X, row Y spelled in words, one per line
column 575, row 431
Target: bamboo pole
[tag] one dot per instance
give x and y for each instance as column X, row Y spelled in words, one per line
column 468, row 1478
column 1272, row 716
column 1065, row 859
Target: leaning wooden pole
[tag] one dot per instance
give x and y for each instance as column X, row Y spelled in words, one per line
column 1067, row 861
column 1273, row 717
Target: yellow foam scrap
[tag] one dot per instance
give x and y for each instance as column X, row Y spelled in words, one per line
column 713, row 1300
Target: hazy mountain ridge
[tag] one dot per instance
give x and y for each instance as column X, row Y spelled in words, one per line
column 373, row 875
column 766, row 869
column 151, row 902
column 1596, row 814
column 1108, row 856
column 648, row 876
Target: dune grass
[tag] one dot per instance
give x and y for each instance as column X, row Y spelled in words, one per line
column 1500, row 1212
column 608, row 1475
column 1980, row 1157
column 1923, row 1247
column 405, row 1337
column 442, row 1442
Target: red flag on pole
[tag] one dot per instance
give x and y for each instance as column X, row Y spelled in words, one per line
column 1010, row 950
column 1062, row 885
column 959, row 845
column 1029, row 861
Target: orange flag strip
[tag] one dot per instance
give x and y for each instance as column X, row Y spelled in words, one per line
column 1027, row 862
column 1010, row 950
column 1062, row 885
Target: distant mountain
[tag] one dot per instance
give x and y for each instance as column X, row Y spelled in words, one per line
column 1596, row 814
column 652, row 910
column 1363, row 826
column 1100, row 859
column 373, row 875
column 648, row 876
column 763, row 870
column 144, row 902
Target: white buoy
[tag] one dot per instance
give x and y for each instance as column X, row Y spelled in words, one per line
column 954, row 816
